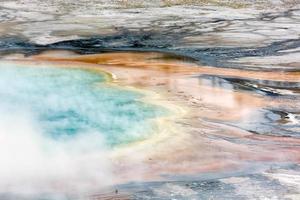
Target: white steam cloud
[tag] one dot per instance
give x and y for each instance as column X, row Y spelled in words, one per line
column 33, row 164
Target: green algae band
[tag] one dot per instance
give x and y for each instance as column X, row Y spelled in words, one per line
column 66, row 102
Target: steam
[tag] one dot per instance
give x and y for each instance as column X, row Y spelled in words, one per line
column 32, row 164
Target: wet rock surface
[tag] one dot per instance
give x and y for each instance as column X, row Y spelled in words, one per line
column 211, row 34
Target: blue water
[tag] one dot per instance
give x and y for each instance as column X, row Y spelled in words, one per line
column 67, row 102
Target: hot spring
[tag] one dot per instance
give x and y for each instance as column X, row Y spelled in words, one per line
column 58, row 125
column 157, row 99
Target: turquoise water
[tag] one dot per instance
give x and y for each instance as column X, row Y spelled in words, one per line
column 68, row 102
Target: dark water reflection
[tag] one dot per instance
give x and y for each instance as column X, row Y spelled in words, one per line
column 264, row 87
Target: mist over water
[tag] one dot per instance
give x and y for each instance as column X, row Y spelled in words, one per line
column 57, row 127
column 34, row 165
